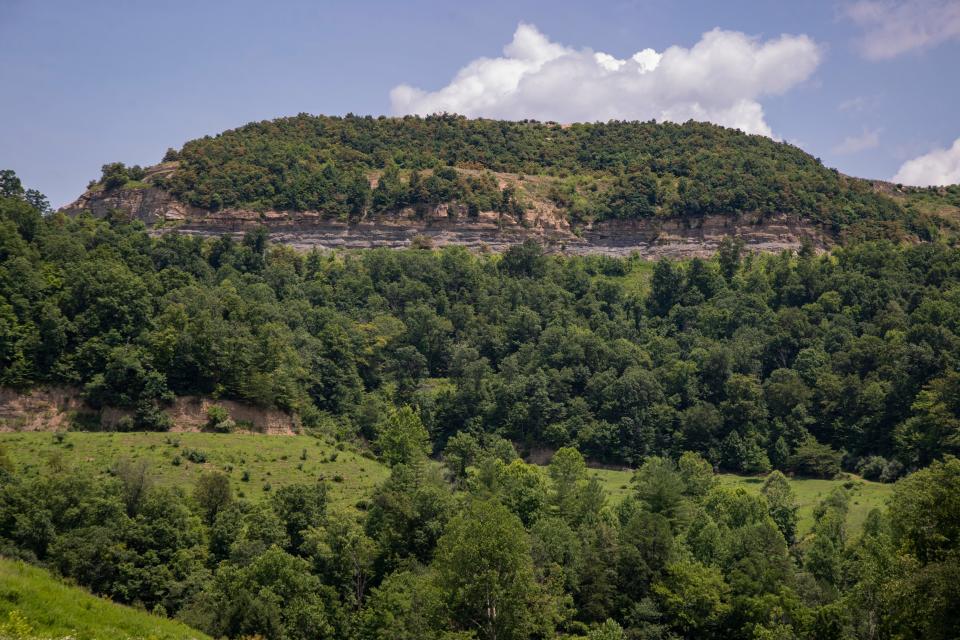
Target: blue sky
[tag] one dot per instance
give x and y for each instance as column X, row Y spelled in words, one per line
column 867, row 86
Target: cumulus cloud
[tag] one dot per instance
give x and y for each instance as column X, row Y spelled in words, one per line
column 893, row 27
column 855, row 144
column 939, row 167
column 719, row 79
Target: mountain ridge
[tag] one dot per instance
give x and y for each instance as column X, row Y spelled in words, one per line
column 614, row 188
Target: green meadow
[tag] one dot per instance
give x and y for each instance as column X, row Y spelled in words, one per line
column 256, row 464
column 34, row 604
column 865, row 495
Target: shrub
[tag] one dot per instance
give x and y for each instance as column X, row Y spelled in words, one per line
column 195, row 455
column 815, row 460
column 218, row 419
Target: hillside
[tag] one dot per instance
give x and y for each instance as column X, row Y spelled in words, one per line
column 448, row 365
column 257, row 465
column 661, row 189
column 34, row 604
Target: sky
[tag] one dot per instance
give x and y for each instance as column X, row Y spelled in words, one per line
column 871, row 87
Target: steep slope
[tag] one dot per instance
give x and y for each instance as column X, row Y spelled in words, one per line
column 611, row 188
column 34, row 604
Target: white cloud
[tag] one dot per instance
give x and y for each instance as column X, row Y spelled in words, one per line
column 895, row 27
column 719, row 79
column 856, row 144
column 939, row 167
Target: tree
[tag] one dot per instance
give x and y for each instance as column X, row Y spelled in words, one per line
column 824, row 555
column 815, row 460
column 484, row 569
column 212, row 492
column 692, row 597
column 275, row 596
column 402, row 438
column 568, row 471
column 407, row 515
column 300, row 507
column 665, row 287
column 344, row 556
column 461, row 452
column 524, row 490
column 10, row 185
column 659, row 486
column 136, row 480
column 782, row 504
column 696, row 474
column 114, row 175
column 728, row 255
column 925, row 511
column 406, row 606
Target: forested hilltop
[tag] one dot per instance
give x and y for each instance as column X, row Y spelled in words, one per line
column 352, row 167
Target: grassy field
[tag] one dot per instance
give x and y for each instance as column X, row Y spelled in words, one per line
column 865, row 497
column 37, row 605
column 269, row 462
column 256, row 464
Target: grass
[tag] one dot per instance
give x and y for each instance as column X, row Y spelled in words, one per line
column 270, row 462
column 37, row 605
column 267, row 462
column 809, row 491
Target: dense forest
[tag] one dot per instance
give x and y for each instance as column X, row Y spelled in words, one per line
column 445, row 364
column 623, row 170
column 794, row 362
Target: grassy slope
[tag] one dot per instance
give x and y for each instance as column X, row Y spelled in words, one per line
column 269, row 459
column 866, row 495
column 276, row 460
column 55, row 610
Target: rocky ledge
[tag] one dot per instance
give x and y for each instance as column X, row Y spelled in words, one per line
column 445, row 225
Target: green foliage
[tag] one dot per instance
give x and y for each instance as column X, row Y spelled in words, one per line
column 925, row 509
column 34, row 604
column 815, row 460
column 483, row 568
column 212, row 494
column 218, row 419
column 600, row 170
column 402, row 438
column 782, row 504
column 749, row 361
column 739, row 363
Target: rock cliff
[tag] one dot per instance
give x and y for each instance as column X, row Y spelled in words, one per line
column 445, row 225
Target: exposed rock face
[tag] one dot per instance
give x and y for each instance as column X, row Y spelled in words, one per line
column 445, row 225
column 55, row 408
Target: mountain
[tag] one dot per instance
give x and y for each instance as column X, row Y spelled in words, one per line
column 606, row 187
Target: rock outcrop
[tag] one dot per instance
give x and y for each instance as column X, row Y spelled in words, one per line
column 63, row 408
column 445, row 225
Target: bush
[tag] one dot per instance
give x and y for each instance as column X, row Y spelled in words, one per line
column 879, row 469
column 815, row 460
column 195, row 455
column 218, row 419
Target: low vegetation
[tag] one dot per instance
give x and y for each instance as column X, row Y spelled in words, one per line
column 256, row 465
column 34, row 605
column 865, row 496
